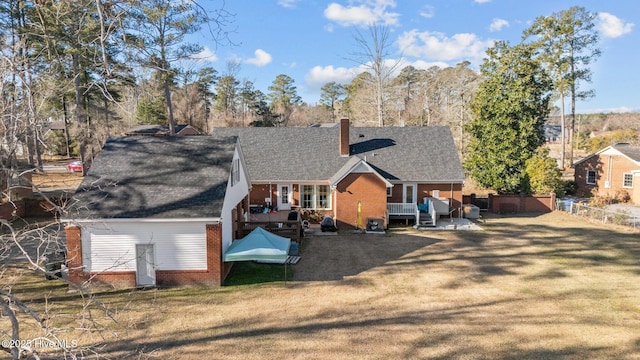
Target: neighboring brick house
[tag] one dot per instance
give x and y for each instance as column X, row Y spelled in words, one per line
column 157, row 211
column 383, row 171
column 611, row 172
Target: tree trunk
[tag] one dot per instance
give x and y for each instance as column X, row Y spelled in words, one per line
column 573, row 107
column 167, row 96
column 379, row 102
column 80, row 116
column 563, row 129
column 66, row 126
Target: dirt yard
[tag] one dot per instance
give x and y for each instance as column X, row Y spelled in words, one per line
column 57, row 180
column 539, row 287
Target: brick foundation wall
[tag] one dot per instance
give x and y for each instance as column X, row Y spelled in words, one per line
column 117, row 279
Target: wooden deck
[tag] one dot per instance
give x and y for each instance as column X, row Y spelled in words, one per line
column 276, row 223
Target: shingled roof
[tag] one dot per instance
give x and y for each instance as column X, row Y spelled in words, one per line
column 420, row 154
column 626, row 149
column 156, row 177
column 158, row 130
column 632, row 152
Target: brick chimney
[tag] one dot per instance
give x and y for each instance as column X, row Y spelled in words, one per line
column 344, row 137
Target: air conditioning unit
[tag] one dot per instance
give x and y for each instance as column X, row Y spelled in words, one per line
column 375, row 226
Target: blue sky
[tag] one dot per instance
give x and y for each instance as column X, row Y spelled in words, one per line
column 312, row 40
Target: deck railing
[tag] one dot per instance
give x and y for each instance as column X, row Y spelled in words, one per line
column 291, row 229
column 401, row 208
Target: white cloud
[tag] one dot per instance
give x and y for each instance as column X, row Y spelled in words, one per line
column 482, row 1
column 205, row 55
column 288, row 3
column 320, row 75
column 497, row 24
column 437, row 46
column 366, row 13
column 426, row 65
column 611, row 26
column 261, row 58
column 622, row 110
column 427, row 11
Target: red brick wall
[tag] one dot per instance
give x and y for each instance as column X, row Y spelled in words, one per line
column 367, row 189
column 11, row 210
column 344, row 137
column 593, row 163
column 600, row 164
column 522, row 203
column 453, row 192
column 214, row 275
column 261, row 191
column 74, row 253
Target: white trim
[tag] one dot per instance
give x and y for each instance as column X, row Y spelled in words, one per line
column 354, row 166
column 279, row 203
column 414, row 196
column 623, row 179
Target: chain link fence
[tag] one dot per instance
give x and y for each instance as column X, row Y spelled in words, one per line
column 617, row 217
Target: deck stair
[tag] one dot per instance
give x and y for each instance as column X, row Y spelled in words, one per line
column 426, row 220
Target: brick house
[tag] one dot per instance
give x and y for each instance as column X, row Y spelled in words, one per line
column 162, row 210
column 157, row 211
column 380, row 172
column 611, row 172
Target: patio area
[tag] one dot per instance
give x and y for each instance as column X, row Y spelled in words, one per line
column 453, row 224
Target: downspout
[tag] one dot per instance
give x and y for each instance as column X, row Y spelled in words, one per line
column 335, row 204
column 451, row 198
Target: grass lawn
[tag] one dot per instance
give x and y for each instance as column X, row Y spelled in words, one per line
column 541, row 287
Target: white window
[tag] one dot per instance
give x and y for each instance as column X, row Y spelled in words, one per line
column 389, row 191
column 315, row 197
column 627, row 180
column 591, row 177
column 307, row 196
column 235, row 172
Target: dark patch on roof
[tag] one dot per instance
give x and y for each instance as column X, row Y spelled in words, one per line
column 426, row 154
column 159, row 130
column 156, row 177
column 369, row 145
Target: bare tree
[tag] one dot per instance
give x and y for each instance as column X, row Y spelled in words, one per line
column 373, row 55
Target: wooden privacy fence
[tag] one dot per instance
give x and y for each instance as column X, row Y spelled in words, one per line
column 505, row 204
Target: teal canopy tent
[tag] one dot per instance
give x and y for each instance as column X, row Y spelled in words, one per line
column 260, row 245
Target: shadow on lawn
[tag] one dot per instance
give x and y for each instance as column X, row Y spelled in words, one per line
column 225, row 336
column 506, row 245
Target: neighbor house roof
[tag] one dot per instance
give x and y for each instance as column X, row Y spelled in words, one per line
column 425, row 154
column 156, row 177
column 158, row 130
column 625, row 149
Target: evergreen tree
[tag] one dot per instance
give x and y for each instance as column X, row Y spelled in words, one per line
column 509, row 111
